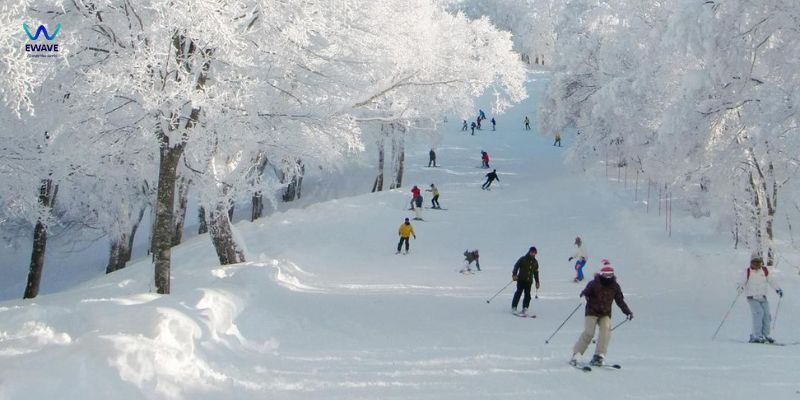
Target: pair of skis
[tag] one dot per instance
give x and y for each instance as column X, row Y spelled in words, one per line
column 585, row 367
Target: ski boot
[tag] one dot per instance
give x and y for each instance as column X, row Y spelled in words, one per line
column 597, row 361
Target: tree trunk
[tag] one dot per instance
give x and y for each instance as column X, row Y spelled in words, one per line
column 378, row 185
column 293, row 190
column 122, row 247
column 202, row 226
column 227, row 249
column 180, row 213
column 47, row 198
column 258, row 206
column 398, row 156
column 164, row 221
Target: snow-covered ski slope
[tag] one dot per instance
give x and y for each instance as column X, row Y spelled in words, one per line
column 326, row 310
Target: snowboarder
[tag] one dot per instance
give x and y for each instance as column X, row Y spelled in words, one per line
column 469, row 257
column 599, row 293
column 484, row 159
column 755, row 285
column 435, row 199
column 580, row 256
column 558, row 139
column 526, row 271
column 415, row 191
column 527, row 123
column 431, row 158
column 405, row 231
column 464, row 126
column 490, row 177
column 473, row 128
column 493, row 124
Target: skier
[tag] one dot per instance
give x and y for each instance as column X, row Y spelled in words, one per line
column 527, row 123
column 473, row 128
column 431, row 158
column 490, row 177
column 599, row 294
column 464, row 126
column 415, row 191
column 481, row 115
column 478, row 120
column 526, row 271
column 405, row 231
column 435, row 199
column 418, row 208
column 558, row 139
column 484, row 159
column 469, row 257
column 493, row 124
column 755, row 287
column 580, row 256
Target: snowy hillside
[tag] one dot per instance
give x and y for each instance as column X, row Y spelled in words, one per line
column 327, row 310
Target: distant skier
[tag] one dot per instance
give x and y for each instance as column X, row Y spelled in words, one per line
column 558, row 139
column 473, row 128
column 526, row 271
column 418, row 208
column 435, row 199
column 484, row 159
column 469, row 257
column 527, row 123
column 493, row 124
column 581, row 258
column 490, row 177
column 481, row 115
column 478, row 120
column 431, row 158
column 415, row 192
column 599, row 294
column 464, row 126
column 755, row 285
column 405, row 231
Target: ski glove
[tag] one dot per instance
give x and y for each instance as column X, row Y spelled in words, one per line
column 779, row 292
column 630, row 316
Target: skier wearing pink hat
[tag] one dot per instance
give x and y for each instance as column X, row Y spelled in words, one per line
column 600, row 293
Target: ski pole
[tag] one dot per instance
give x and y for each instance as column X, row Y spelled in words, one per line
column 500, row 291
column 562, row 324
column 725, row 318
column 778, row 308
column 615, row 327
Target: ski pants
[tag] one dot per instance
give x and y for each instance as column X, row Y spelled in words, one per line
column 522, row 286
column 432, row 161
column 399, row 245
column 759, row 308
column 590, row 322
column 435, row 201
column 579, row 269
column 487, row 183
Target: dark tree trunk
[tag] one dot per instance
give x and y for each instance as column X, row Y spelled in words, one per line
column 293, row 190
column 164, row 221
column 122, row 247
column 398, row 155
column 378, row 185
column 227, row 249
column 202, row 226
column 47, row 198
column 180, row 213
column 258, row 206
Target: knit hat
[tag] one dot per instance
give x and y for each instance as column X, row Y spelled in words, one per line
column 607, row 269
column 532, row 249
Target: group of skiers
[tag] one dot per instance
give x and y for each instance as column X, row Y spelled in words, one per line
column 477, row 123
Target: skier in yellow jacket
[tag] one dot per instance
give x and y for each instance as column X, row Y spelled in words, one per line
column 405, row 231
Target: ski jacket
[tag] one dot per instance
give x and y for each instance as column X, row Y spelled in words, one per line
column 756, row 281
column 527, row 269
column 434, row 190
column 599, row 296
column 492, row 176
column 581, row 252
column 415, row 192
column 406, row 230
column 485, row 157
column 432, row 155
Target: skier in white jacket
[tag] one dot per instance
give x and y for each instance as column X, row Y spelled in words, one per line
column 755, row 286
column 581, row 256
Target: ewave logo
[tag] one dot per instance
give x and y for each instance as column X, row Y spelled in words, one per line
column 41, row 30
column 44, row 49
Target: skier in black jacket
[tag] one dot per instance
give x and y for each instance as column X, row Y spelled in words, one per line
column 490, row 177
column 526, row 271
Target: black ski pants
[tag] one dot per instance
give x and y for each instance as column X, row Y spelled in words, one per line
column 435, row 201
column 522, row 286
column 405, row 239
